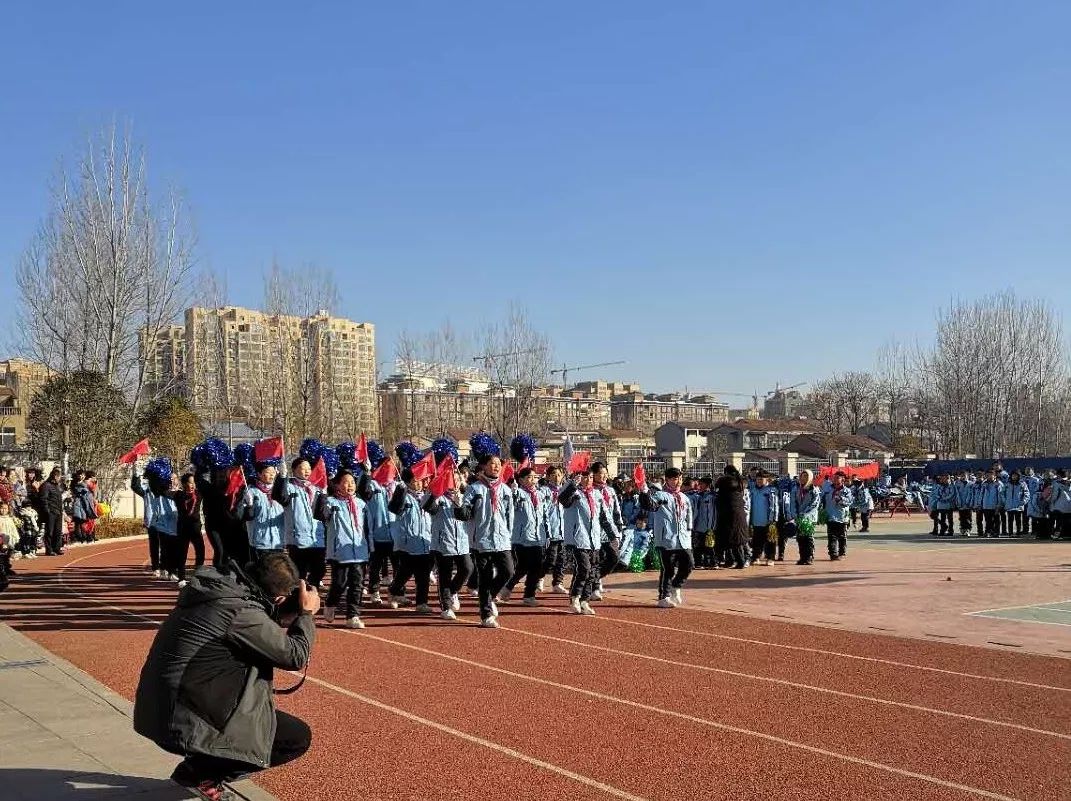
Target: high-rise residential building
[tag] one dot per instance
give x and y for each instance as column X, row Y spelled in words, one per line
column 299, row 376
column 646, row 413
column 19, row 381
column 164, row 358
column 782, row 403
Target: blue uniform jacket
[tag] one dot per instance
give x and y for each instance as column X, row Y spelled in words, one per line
column 300, row 528
column 529, row 520
column 449, row 536
column 490, row 523
column 703, row 511
column 808, row 502
column 412, row 525
column 763, row 505
column 1016, row 496
column 554, row 519
column 837, row 502
column 992, row 493
column 583, row 529
column 263, row 519
column 161, row 513
column 348, row 541
column 671, row 521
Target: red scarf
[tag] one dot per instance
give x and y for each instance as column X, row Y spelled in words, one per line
column 305, row 485
column 605, row 494
column 534, row 496
column 191, row 502
column 590, row 493
column 493, row 487
column 351, row 502
column 679, row 498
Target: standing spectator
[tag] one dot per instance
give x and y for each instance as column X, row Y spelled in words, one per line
column 1033, row 486
column 50, row 494
column 188, row 502
column 992, row 497
column 731, row 516
column 1038, row 509
column 837, row 499
column 83, row 508
column 808, row 501
column 764, row 511
column 703, row 524
column 1016, row 496
column 1060, row 504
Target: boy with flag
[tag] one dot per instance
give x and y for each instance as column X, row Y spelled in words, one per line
column 585, row 519
column 348, row 547
column 554, row 558
column 671, row 531
column 449, row 537
column 529, row 536
column 303, row 534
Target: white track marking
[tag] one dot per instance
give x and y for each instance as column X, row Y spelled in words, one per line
column 787, row 683
column 692, row 719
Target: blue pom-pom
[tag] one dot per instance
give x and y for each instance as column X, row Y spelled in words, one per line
column 408, row 453
column 376, row 454
column 311, row 449
column 443, row 447
column 346, row 452
column 198, row 457
column 523, row 446
column 212, row 454
column 331, row 462
column 159, row 472
column 243, row 456
column 483, row 444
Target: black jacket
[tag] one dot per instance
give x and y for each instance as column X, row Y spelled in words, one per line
column 51, row 497
column 206, row 687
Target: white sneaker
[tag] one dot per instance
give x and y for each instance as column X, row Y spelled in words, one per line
column 494, row 609
column 597, row 595
column 424, row 609
column 16, row 556
column 585, row 609
column 559, row 589
column 575, row 606
column 172, row 576
column 364, row 593
column 678, row 597
column 433, row 579
column 455, row 603
column 530, row 602
column 377, row 600
column 504, row 594
column 157, row 573
column 182, row 583
column 448, row 615
column 666, row 603
column 541, row 587
column 329, row 614
column 489, row 623
column 397, row 601
column 354, row 623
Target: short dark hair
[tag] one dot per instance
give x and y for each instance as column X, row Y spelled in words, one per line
column 260, row 467
column 407, row 474
column 486, row 457
column 527, row 471
column 708, row 480
column 275, row 573
column 185, row 477
column 597, row 466
column 641, row 515
column 673, row 472
column 297, row 461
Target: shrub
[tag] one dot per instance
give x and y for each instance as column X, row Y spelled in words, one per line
column 111, row 527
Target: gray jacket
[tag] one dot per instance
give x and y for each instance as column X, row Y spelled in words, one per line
column 206, row 687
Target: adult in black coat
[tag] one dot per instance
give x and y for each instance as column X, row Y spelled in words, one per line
column 50, row 496
column 731, row 532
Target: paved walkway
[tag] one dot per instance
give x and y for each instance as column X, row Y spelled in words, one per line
column 63, row 736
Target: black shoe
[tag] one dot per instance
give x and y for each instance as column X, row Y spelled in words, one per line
column 801, row 561
column 833, row 558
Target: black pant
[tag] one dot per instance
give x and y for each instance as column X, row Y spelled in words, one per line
column 53, row 531
column 786, row 530
column 311, row 563
column 383, row 555
column 236, row 545
column 1015, row 522
column 417, row 566
column 346, row 577
column 292, row 739
column 529, row 567
column 608, row 556
column 945, row 521
column 806, row 546
column 554, row 561
column 991, row 529
column 453, row 573
column 493, row 570
column 964, row 521
column 156, row 554
column 1040, row 527
column 979, row 522
column 1059, row 523
column 583, row 576
column 760, row 543
column 865, row 519
column 701, row 554
column 173, row 549
column 837, row 539
column 677, row 564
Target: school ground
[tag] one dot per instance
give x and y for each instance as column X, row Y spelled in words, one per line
column 917, row 668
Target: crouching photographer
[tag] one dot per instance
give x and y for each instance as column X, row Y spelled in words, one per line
column 205, row 692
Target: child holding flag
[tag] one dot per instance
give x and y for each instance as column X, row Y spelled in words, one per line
column 449, row 538
column 303, row 534
column 671, row 531
column 529, row 536
column 348, row 547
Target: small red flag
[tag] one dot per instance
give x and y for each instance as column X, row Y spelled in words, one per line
column 526, row 463
column 235, row 485
column 445, row 479
column 271, row 448
column 425, row 468
column 360, row 452
column 385, row 473
column 318, row 476
column 507, row 472
column 639, row 476
column 580, row 462
column 131, row 456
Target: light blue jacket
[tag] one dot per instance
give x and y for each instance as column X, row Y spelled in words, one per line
column 379, row 517
column 529, row 520
column 964, row 494
column 1036, row 505
column 161, row 513
column 300, row 528
column 583, row 529
column 1060, row 497
column 1033, row 483
column 763, row 505
column 703, row 511
column 943, row 497
column 808, row 502
column 263, row 519
column 1016, row 496
column 412, row 527
column 671, row 522
column 490, row 526
column 615, row 523
column 554, row 519
column 837, row 502
column 348, row 541
column 992, row 493
column 449, row 536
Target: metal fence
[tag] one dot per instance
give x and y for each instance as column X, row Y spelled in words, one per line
column 814, row 465
column 769, row 465
column 705, row 467
column 651, row 465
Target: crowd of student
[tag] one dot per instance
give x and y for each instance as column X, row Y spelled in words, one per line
column 477, row 531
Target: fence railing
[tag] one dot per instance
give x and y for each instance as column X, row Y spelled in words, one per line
column 705, row 467
column 652, row 466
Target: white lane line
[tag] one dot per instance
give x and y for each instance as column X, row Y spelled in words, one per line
column 824, row 652
column 787, row 683
column 1047, row 605
column 490, row 744
column 692, row 719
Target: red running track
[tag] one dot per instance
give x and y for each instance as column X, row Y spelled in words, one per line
column 636, row 703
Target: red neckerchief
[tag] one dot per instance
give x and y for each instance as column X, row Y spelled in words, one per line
column 590, row 492
column 305, row 485
column 351, row 502
column 678, row 497
column 605, row 493
column 191, row 502
column 265, row 488
column 493, row 487
column 534, row 496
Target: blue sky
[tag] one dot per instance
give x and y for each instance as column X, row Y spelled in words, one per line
column 698, row 188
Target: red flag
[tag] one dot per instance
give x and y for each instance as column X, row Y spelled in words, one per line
column 445, row 479
column 266, row 449
column 386, row 472
column 318, row 476
column 235, row 485
column 507, row 472
column 425, row 468
column 131, row 456
column 579, row 463
column 526, row 463
column 639, row 476
column 361, row 451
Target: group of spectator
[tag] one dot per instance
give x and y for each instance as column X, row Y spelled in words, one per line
column 35, row 510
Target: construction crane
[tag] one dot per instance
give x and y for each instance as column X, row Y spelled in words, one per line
column 487, row 358
column 564, row 371
column 777, row 389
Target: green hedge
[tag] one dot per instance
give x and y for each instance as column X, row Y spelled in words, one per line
column 111, row 527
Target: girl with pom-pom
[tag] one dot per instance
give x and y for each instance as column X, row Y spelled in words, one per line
column 262, row 514
column 349, row 547
column 529, row 537
column 303, row 534
column 158, row 488
column 377, row 497
column 585, row 518
column 412, row 541
column 449, row 547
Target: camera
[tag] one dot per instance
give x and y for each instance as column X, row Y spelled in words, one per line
column 291, row 606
